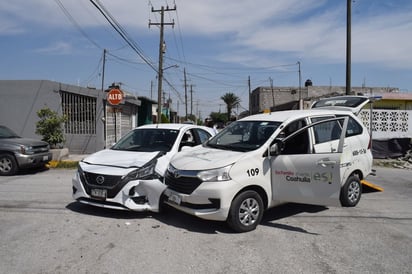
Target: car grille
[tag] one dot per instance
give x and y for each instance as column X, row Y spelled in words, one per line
column 113, row 184
column 185, row 183
column 40, row 149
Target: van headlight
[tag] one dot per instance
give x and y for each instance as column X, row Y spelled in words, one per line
column 215, row 175
column 145, row 172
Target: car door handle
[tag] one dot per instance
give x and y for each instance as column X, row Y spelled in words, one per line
column 325, row 163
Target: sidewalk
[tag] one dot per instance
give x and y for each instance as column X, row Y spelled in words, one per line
column 75, row 157
column 64, row 155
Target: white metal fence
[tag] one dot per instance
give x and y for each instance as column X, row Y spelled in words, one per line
column 388, row 124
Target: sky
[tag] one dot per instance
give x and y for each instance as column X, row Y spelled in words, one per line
column 219, row 44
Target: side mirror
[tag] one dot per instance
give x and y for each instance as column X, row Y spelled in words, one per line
column 277, row 147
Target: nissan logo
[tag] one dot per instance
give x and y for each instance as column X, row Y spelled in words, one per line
column 100, row 180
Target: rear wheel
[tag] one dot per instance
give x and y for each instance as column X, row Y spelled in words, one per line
column 351, row 192
column 8, row 165
column 246, row 211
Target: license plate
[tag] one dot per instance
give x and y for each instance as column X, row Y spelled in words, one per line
column 175, row 199
column 99, row 193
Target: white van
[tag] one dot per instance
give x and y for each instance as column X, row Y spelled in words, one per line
column 264, row 160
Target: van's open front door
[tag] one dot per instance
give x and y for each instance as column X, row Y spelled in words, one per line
column 312, row 178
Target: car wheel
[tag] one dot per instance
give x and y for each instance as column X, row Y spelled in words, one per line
column 351, row 192
column 8, row 165
column 246, row 211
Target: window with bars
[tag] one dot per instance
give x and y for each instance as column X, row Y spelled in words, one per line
column 80, row 112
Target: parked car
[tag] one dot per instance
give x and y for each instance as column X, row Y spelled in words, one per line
column 18, row 153
column 129, row 175
column 316, row 156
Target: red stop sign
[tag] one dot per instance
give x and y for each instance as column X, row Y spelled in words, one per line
column 115, row 96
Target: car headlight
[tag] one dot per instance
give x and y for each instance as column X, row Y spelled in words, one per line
column 81, row 173
column 215, row 175
column 145, row 172
column 28, row 150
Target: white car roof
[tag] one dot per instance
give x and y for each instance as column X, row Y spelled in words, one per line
column 177, row 126
column 282, row 116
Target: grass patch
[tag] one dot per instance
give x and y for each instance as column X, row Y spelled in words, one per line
column 62, row 164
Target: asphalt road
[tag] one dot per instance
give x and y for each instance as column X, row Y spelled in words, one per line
column 44, row 231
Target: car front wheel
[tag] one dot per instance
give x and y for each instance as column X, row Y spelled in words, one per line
column 8, row 165
column 246, row 211
column 351, row 192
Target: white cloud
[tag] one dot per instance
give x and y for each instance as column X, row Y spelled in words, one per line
column 57, row 48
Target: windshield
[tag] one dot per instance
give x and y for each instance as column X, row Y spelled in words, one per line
column 243, row 135
column 147, row 140
column 7, row 133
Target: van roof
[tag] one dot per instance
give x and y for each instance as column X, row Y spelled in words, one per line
column 282, row 116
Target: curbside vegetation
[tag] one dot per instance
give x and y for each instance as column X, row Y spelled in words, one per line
column 62, row 164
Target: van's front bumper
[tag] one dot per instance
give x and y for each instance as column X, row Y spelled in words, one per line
column 210, row 201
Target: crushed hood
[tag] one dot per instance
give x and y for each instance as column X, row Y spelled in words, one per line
column 118, row 158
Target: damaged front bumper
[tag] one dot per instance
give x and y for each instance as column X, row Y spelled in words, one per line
column 138, row 195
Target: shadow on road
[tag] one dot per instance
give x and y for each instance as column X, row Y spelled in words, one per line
column 288, row 210
column 172, row 217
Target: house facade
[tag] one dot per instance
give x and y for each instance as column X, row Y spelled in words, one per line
column 92, row 123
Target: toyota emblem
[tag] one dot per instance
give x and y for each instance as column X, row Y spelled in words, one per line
column 100, row 180
column 176, row 174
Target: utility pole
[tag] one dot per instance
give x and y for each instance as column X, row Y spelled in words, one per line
column 151, row 89
column 250, row 97
column 162, row 49
column 273, row 94
column 104, row 102
column 184, row 72
column 348, row 46
column 300, row 87
column 191, row 100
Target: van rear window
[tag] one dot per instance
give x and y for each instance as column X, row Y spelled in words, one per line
column 343, row 101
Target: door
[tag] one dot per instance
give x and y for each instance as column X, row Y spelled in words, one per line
column 308, row 177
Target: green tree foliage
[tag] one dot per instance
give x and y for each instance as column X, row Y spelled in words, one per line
column 50, row 126
column 218, row 117
column 164, row 119
column 231, row 101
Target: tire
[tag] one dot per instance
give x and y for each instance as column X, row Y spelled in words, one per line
column 8, row 165
column 351, row 192
column 246, row 211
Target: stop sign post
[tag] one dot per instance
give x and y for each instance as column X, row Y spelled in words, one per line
column 115, row 96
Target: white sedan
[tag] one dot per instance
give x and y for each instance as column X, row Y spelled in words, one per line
column 129, row 175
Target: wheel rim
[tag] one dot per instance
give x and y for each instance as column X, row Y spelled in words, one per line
column 249, row 212
column 353, row 191
column 5, row 165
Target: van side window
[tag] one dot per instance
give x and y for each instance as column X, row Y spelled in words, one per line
column 298, row 144
column 353, row 128
column 327, row 131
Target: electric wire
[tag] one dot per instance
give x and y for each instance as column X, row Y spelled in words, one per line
column 74, row 22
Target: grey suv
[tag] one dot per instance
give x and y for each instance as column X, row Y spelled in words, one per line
column 18, row 153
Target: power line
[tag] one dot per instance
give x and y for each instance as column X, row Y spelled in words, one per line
column 122, row 33
column 74, row 22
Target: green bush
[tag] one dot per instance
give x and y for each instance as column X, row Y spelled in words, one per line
column 50, row 126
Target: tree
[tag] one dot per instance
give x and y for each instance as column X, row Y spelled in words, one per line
column 218, row 117
column 50, row 126
column 231, row 101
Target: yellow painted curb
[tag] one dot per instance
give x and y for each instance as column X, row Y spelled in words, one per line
column 371, row 185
